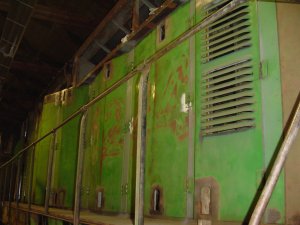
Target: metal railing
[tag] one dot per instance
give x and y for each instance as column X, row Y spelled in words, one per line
column 264, row 198
column 7, row 169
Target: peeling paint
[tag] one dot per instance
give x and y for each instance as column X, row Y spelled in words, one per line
column 131, row 126
column 185, row 105
column 153, row 91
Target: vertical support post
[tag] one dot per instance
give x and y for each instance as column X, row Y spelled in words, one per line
column 30, row 179
column 126, row 185
column 10, row 190
column 141, row 149
column 18, row 181
column 81, row 147
column 49, row 171
column 4, row 186
column 136, row 15
column 75, row 71
column 191, row 149
column 267, row 191
column 1, row 183
column 17, row 191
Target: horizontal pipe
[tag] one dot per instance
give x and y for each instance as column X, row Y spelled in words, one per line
column 276, row 168
column 205, row 22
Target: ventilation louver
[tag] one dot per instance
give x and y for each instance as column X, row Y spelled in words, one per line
column 228, row 98
column 228, row 34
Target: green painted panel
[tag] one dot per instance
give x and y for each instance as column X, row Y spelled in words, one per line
column 120, row 66
column 32, row 136
column 34, row 219
column 93, row 144
column 111, row 152
column 271, row 99
column 54, row 222
column 106, row 131
column 67, row 159
column 235, row 160
column 167, row 131
column 231, row 157
column 47, row 123
column 145, row 48
column 175, row 24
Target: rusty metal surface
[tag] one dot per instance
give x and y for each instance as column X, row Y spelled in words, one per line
column 171, row 120
column 166, row 8
column 212, row 184
column 134, row 71
column 141, row 148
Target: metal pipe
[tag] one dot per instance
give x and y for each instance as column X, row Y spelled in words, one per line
column 4, row 187
column 81, row 147
column 30, row 179
column 141, row 150
column 49, row 171
column 207, row 21
column 265, row 196
column 10, row 190
column 17, row 184
column 1, row 184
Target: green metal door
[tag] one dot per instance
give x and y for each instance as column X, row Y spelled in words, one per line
column 231, row 150
column 49, row 119
column 167, row 134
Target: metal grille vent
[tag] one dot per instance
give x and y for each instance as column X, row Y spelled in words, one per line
column 228, row 34
column 228, row 98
